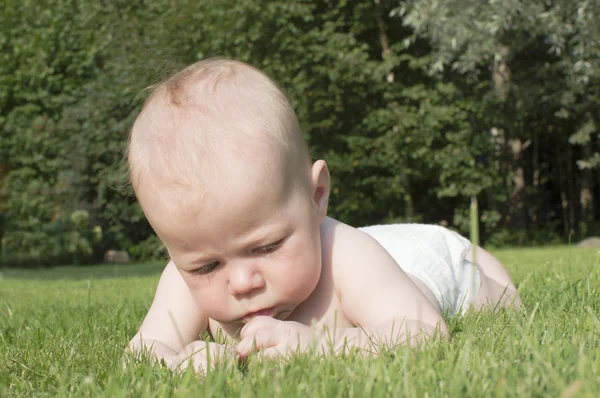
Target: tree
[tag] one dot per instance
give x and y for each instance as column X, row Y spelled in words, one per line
column 541, row 59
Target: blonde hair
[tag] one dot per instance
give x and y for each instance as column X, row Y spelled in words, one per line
column 233, row 105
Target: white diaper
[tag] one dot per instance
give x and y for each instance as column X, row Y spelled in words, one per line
column 436, row 256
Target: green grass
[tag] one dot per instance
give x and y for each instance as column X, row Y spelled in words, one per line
column 62, row 332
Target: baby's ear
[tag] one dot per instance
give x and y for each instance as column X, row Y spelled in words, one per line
column 320, row 182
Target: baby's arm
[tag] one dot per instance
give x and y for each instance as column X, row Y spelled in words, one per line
column 377, row 296
column 171, row 329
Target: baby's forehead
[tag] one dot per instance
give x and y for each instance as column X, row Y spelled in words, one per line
column 235, row 196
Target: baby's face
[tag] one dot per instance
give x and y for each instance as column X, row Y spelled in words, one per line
column 254, row 250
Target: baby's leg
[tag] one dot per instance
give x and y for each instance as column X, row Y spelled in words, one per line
column 497, row 288
column 426, row 292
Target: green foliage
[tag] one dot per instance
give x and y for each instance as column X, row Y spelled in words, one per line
column 149, row 249
column 49, row 54
column 66, row 115
column 397, row 97
column 533, row 67
column 504, row 237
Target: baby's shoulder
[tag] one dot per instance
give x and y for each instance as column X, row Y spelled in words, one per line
column 337, row 236
column 343, row 245
column 371, row 287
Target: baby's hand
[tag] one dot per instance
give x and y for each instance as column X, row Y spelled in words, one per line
column 202, row 356
column 272, row 337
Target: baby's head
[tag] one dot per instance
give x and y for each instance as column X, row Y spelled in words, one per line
column 222, row 172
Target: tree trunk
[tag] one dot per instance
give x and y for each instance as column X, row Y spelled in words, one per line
column 586, row 195
column 501, row 73
column 513, row 147
column 571, row 191
column 564, row 189
column 383, row 38
column 517, row 209
column 4, row 168
column 535, row 165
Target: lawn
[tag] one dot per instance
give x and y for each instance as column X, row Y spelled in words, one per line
column 62, row 332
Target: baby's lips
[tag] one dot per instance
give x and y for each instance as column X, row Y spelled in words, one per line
column 268, row 312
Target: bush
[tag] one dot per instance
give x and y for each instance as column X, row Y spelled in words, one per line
column 151, row 249
column 541, row 236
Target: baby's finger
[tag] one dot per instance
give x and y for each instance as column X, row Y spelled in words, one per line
column 272, row 352
column 197, row 361
column 256, row 342
column 202, row 356
column 244, row 348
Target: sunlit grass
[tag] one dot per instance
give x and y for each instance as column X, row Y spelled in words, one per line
column 62, row 332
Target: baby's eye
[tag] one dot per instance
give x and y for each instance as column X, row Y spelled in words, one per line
column 269, row 248
column 206, row 269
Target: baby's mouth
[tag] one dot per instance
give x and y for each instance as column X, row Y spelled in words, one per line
column 264, row 312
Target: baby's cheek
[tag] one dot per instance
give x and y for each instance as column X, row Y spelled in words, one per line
column 205, row 295
column 214, row 304
column 300, row 280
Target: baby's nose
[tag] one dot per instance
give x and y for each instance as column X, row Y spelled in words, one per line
column 243, row 278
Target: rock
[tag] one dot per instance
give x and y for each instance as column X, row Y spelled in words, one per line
column 592, row 241
column 116, row 257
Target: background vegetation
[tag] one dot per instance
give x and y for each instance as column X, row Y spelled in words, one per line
column 416, row 105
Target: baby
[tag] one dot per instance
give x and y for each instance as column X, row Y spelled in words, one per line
column 223, row 174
